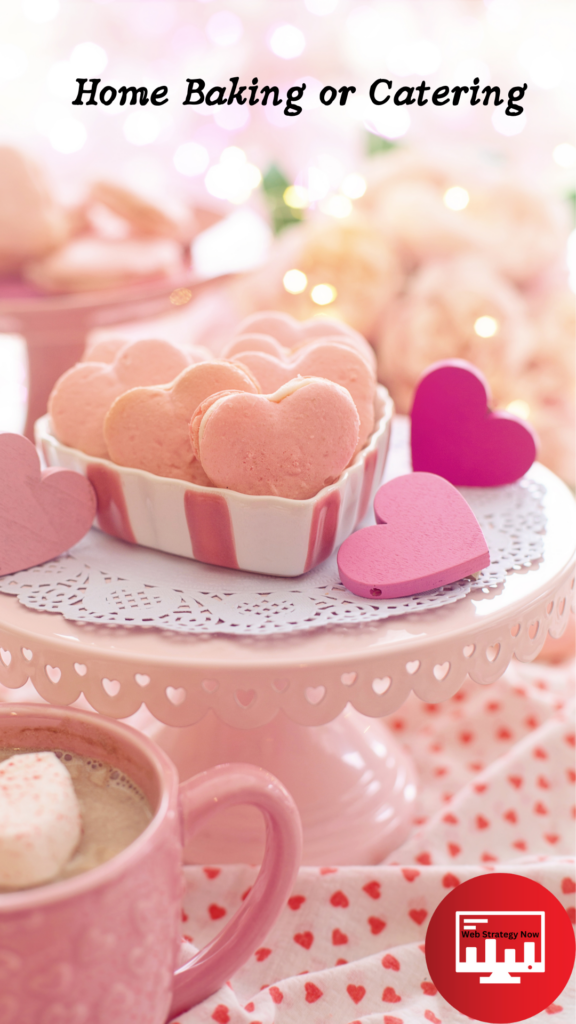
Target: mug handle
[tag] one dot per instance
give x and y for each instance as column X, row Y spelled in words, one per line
column 200, row 797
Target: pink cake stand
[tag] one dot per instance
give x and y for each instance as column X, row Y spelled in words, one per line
column 55, row 326
column 305, row 706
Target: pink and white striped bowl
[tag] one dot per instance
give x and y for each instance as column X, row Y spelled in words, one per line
column 257, row 533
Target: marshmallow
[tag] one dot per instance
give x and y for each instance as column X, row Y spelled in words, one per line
column 40, row 822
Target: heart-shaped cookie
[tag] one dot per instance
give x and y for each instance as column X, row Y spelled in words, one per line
column 326, row 359
column 427, row 537
column 293, row 334
column 148, row 428
column 42, row 514
column 82, row 396
column 455, row 434
column 290, row 444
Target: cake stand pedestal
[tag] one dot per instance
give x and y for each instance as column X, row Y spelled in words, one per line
column 55, row 327
column 304, row 705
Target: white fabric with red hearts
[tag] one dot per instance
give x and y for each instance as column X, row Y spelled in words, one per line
column 496, row 767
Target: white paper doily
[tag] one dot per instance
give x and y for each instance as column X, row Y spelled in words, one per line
column 108, row 582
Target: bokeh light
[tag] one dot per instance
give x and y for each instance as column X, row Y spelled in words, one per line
column 67, row 135
column 224, row 28
column 323, row 294
column 13, row 61
column 506, row 125
column 297, row 197
column 321, row 7
column 191, row 159
column 337, row 206
column 295, row 281
column 456, row 198
column 233, row 178
column 519, row 408
column 141, row 127
column 353, row 186
column 40, row 10
column 61, row 81
column 287, row 42
column 565, row 155
column 88, row 60
column 486, row 326
column 390, row 122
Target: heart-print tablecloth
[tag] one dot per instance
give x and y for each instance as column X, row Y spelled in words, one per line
column 496, row 766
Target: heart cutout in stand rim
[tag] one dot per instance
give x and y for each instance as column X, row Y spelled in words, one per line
column 176, row 695
column 111, row 686
column 381, row 686
column 245, row 697
column 42, row 513
column 427, row 537
column 314, row 694
column 455, row 435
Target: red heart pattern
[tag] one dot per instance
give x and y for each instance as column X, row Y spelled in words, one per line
column 374, row 914
column 356, row 993
column 43, row 513
column 455, row 435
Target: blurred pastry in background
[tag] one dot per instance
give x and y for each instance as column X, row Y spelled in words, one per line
column 345, row 270
column 32, row 222
column 117, row 236
column 88, row 263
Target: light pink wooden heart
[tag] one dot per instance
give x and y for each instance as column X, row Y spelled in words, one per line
column 42, row 513
column 427, row 537
column 455, row 435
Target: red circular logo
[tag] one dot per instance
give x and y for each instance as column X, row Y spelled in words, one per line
column 500, row 948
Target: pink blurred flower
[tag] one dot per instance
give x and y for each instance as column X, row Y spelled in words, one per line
column 349, row 254
column 437, row 318
column 518, row 227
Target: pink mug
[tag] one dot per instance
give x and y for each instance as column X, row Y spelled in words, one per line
column 102, row 947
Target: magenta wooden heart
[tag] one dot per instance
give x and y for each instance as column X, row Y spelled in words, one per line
column 42, row 513
column 455, row 435
column 427, row 537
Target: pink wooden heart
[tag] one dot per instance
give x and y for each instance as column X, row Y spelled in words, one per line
column 42, row 514
column 455, row 435
column 427, row 537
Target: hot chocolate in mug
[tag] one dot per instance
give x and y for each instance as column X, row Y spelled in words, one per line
column 102, row 947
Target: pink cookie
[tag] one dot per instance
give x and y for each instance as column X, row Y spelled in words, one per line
column 427, row 537
column 327, row 359
column 81, row 398
column 290, row 444
column 293, row 334
column 105, row 351
column 455, row 434
column 148, row 428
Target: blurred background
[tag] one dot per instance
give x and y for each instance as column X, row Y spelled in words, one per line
column 436, row 231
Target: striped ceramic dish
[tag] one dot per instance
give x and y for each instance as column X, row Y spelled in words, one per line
column 257, row 533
